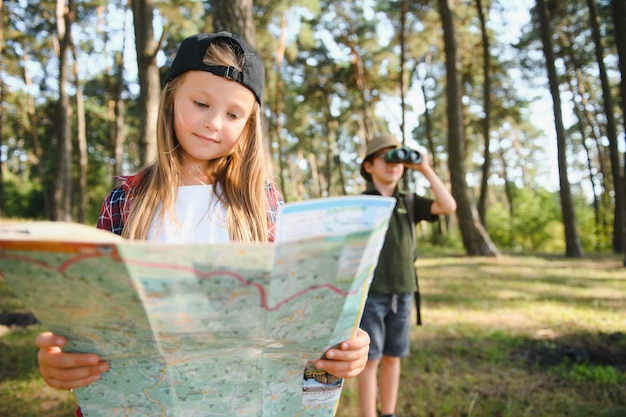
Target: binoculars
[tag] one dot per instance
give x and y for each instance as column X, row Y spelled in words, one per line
column 403, row 154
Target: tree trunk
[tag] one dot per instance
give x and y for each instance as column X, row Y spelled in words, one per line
column 428, row 125
column 475, row 238
column 234, row 16
column 508, row 188
column 573, row 249
column 579, row 111
column 484, row 184
column 117, row 135
column 403, row 13
column 619, row 22
column 618, row 8
column 278, row 101
column 581, row 108
column 315, row 177
column 611, row 130
column 1, row 109
column 586, row 99
column 62, row 188
column 115, row 85
column 34, row 134
column 333, row 162
column 82, row 141
column 361, row 86
column 149, row 80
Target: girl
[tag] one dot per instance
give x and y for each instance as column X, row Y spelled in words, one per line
column 210, row 183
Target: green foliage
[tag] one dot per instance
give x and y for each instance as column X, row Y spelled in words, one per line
column 100, row 180
column 535, row 227
column 595, row 235
column 433, row 237
column 23, row 199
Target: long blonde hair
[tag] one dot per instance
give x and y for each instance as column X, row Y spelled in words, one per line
column 239, row 177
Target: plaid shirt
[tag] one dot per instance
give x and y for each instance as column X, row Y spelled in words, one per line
column 116, row 205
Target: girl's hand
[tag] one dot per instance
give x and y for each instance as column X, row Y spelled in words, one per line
column 66, row 370
column 349, row 358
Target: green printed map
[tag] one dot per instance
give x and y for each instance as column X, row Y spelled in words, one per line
column 208, row 330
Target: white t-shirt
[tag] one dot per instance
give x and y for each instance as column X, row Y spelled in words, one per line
column 201, row 217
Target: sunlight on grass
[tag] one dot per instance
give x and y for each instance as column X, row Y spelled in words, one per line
column 584, row 372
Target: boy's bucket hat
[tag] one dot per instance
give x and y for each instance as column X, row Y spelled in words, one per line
column 379, row 142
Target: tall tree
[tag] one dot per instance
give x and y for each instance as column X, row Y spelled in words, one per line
column 573, row 248
column 33, row 129
column 618, row 8
column 484, row 184
column 611, row 129
column 114, row 78
column 368, row 124
column 81, row 138
column 148, row 74
column 585, row 111
column 402, row 77
column 278, row 116
column 62, row 194
column 1, row 106
column 582, row 113
column 475, row 238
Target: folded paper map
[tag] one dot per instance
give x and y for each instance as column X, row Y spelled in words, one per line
column 204, row 329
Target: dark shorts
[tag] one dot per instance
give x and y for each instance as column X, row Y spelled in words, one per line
column 388, row 323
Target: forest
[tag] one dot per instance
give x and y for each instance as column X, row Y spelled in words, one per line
column 519, row 105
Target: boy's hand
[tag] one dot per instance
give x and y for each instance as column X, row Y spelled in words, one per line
column 423, row 164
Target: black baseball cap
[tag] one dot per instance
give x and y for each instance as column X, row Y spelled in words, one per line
column 191, row 52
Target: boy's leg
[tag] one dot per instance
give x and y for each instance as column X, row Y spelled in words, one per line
column 373, row 322
column 389, row 383
column 398, row 330
column 367, row 381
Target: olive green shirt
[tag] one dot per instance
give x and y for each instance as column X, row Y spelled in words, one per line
column 395, row 272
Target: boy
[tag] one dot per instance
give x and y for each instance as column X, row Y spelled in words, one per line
column 387, row 313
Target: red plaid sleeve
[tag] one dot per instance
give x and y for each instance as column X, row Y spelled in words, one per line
column 114, row 208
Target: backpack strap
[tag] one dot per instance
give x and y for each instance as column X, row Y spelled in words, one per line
column 409, row 203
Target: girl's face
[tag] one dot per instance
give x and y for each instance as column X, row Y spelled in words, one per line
column 384, row 172
column 210, row 112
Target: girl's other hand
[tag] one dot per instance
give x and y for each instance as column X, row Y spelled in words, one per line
column 66, row 370
column 349, row 358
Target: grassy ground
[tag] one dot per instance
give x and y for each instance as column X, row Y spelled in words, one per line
column 524, row 336
column 517, row 336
